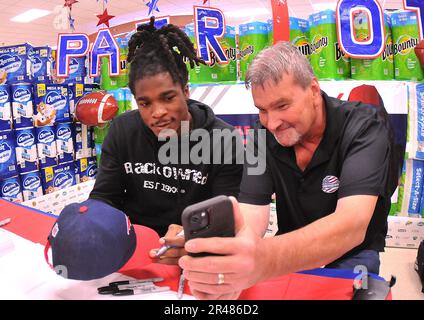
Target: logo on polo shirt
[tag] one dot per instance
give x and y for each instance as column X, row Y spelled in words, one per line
column 330, row 184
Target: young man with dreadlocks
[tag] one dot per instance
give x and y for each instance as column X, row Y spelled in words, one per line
column 131, row 176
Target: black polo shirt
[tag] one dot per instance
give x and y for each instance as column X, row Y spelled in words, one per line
column 353, row 158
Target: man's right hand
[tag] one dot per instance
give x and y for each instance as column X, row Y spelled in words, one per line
column 176, row 242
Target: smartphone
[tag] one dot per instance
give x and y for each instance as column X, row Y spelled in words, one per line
column 210, row 218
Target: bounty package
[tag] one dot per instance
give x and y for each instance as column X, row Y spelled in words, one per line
column 41, row 64
column 253, row 37
column 405, row 39
column 381, row 68
column 270, row 33
column 108, row 82
column 299, row 29
column 128, row 99
column 327, row 59
column 15, row 63
column 119, row 95
column 228, row 71
column 200, row 73
column 215, row 71
column 51, row 104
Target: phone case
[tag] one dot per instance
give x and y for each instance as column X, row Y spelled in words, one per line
column 210, row 218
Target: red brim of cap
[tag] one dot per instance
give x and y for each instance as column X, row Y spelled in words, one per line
column 147, row 239
column 141, row 266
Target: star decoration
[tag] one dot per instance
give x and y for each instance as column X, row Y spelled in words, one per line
column 204, row 1
column 153, row 5
column 104, row 2
column 281, row 2
column 71, row 22
column 69, row 3
column 104, row 18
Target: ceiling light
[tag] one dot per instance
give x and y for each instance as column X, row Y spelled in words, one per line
column 246, row 12
column 323, row 6
column 30, row 15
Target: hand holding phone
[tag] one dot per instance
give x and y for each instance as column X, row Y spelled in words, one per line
column 210, row 218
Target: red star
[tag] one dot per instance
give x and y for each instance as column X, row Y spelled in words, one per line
column 104, row 18
column 69, row 3
column 204, row 1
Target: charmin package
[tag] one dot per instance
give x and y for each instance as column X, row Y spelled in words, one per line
column 22, row 105
column 86, row 169
column 15, row 63
column 46, row 146
column 75, row 92
column 77, row 71
column 26, row 150
column 58, row 177
column 51, row 104
column 8, row 166
column 5, row 108
column 11, row 189
column 64, row 142
column 84, row 141
column 31, row 185
column 41, row 67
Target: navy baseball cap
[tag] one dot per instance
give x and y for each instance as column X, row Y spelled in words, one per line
column 90, row 240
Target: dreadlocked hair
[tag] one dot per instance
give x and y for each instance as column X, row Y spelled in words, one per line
column 153, row 51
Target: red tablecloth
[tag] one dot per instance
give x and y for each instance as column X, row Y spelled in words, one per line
column 318, row 284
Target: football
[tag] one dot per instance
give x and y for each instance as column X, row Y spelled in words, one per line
column 419, row 51
column 96, row 108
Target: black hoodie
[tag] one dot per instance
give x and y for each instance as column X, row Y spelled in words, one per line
column 131, row 178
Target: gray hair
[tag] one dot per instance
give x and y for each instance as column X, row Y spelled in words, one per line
column 273, row 62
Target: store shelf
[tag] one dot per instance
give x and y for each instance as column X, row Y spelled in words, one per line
column 227, row 99
column 54, row 202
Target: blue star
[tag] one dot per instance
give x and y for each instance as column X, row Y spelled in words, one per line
column 71, row 22
column 153, row 5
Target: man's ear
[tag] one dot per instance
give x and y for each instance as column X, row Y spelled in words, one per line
column 316, row 89
column 186, row 92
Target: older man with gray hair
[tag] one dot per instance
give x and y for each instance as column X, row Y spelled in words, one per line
column 328, row 163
